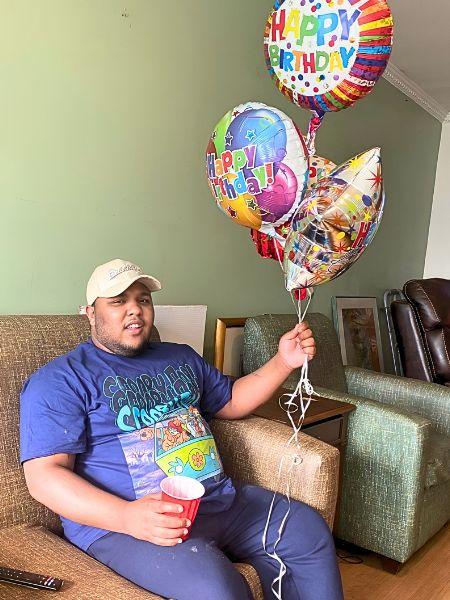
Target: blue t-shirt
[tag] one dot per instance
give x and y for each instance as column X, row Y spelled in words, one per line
column 130, row 421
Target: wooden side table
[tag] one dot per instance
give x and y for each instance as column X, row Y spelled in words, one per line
column 325, row 420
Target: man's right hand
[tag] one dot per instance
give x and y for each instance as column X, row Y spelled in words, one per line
column 144, row 519
column 52, row 482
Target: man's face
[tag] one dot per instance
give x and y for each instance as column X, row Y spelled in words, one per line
column 122, row 324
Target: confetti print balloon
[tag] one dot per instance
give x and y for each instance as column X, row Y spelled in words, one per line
column 335, row 222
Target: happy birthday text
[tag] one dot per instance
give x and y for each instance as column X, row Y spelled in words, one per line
column 227, row 178
column 300, row 28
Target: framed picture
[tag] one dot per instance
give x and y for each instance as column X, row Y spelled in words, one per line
column 228, row 342
column 358, row 328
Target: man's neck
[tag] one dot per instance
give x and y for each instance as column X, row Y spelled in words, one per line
column 97, row 343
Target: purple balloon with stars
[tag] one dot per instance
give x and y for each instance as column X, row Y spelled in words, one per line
column 261, row 167
column 262, row 128
column 277, row 199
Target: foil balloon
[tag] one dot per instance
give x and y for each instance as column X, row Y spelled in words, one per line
column 335, row 222
column 257, row 166
column 319, row 167
column 324, row 55
column 272, row 246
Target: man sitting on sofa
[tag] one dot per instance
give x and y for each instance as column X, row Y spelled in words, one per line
column 93, row 429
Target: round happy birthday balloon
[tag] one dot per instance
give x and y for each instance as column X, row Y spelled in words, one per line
column 335, row 222
column 326, row 54
column 257, row 166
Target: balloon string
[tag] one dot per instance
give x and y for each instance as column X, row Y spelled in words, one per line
column 313, row 127
column 290, row 406
column 298, row 304
column 280, row 262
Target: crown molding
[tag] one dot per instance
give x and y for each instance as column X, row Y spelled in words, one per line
column 398, row 79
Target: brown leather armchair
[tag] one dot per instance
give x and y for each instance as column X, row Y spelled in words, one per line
column 422, row 328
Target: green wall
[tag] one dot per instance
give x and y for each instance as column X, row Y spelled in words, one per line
column 106, row 109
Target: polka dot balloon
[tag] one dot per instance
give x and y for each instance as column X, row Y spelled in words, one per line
column 346, row 42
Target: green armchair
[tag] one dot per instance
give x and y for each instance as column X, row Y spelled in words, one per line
column 395, row 491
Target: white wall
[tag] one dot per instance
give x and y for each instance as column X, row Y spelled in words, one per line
column 437, row 258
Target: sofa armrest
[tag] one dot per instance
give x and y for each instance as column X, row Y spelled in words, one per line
column 430, row 400
column 383, row 476
column 251, row 450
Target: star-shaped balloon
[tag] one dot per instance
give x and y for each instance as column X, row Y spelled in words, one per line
column 335, row 222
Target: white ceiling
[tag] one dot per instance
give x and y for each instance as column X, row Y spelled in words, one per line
column 422, row 46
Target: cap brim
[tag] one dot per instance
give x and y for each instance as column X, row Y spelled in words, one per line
column 150, row 282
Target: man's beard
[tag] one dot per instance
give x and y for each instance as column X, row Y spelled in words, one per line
column 113, row 345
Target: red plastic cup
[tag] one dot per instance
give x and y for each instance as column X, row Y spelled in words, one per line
column 184, row 491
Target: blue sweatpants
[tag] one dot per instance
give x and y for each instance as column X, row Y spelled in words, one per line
column 201, row 568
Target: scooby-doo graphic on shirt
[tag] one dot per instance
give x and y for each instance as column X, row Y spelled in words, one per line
column 181, row 444
column 184, row 446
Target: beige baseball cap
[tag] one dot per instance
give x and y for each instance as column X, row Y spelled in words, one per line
column 114, row 277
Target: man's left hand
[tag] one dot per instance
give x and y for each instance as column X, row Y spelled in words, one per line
column 297, row 345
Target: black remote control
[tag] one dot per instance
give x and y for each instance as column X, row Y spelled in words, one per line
column 31, row 580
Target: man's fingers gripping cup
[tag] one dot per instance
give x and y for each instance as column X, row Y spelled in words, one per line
column 185, row 491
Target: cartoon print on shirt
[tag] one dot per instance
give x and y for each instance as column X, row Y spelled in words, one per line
column 173, row 435
column 169, row 448
column 163, row 432
column 138, row 449
column 193, row 455
column 193, row 423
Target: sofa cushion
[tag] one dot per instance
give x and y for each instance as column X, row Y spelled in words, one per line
column 38, row 550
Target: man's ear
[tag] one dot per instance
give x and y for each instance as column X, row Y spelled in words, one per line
column 90, row 313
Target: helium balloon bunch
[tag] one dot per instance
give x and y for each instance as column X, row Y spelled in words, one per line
column 312, row 216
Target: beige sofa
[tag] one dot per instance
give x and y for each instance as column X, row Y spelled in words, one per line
column 30, row 535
